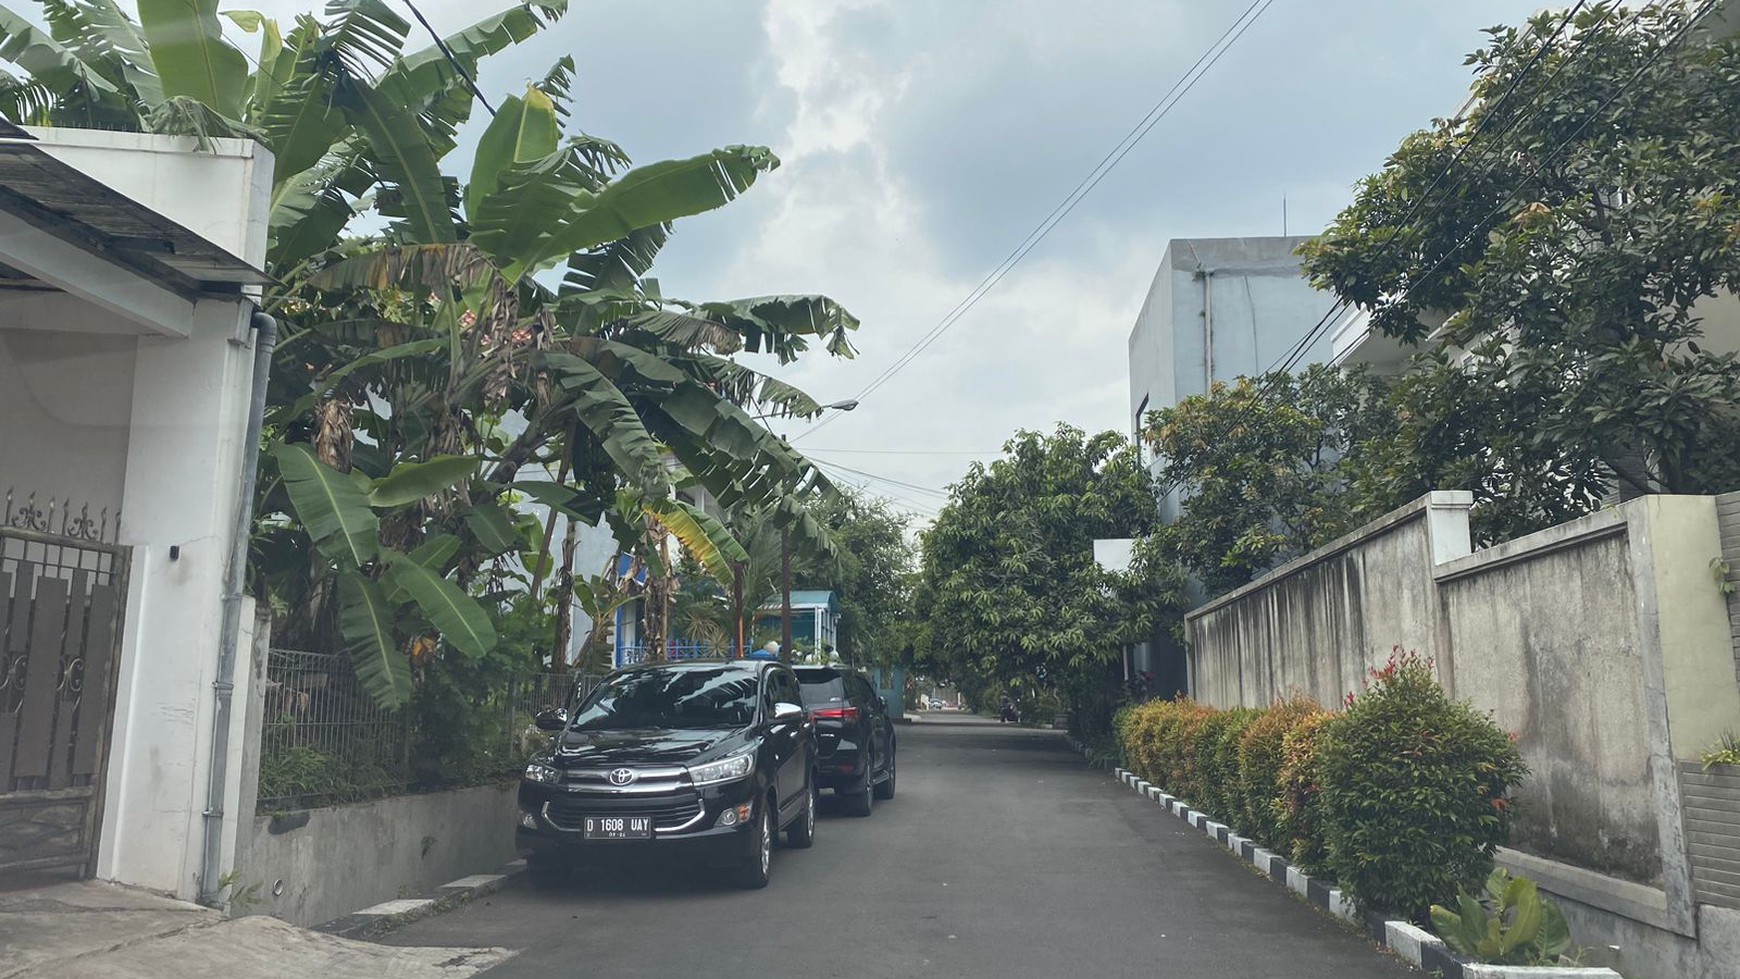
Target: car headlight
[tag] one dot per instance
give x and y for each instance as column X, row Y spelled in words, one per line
column 723, row 770
column 537, row 771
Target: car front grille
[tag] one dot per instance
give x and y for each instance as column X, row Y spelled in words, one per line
column 667, row 814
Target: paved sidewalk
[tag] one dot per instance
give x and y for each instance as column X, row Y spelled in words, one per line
column 94, row 930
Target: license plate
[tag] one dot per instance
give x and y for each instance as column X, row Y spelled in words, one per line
column 616, row 828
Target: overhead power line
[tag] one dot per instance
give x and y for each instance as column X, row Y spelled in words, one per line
column 922, row 508
column 880, row 478
column 1161, row 109
column 447, row 54
column 1296, row 353
column 912, row 452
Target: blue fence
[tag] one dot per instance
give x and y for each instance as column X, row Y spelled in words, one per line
column 629, row 655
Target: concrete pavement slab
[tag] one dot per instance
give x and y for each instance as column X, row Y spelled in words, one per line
column 93, row 930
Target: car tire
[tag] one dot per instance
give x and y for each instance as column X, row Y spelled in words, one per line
column 885, row 788
column 858, row 803
column 548, row 872
column 802, row 834
column 754, row 872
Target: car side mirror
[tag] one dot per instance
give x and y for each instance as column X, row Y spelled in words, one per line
column 882, row 701
column 784, row 712
column 551, row 719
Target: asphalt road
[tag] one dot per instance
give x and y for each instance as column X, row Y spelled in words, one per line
column 1001, row 856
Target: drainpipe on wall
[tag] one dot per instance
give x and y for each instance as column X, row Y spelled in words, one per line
column 229, row 634
column 1207, row 276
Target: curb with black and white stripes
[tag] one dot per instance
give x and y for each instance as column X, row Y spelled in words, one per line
column 388, row 916
column 1414, row 944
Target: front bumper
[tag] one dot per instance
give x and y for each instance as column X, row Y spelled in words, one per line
column 550, row 818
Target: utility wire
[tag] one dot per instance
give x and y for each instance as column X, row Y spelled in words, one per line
column 1503, row 205
column 447, row 53
column 1295, row 353
column 912, row 452
column 894, row 482
column 923, row 509
column 1116, row 155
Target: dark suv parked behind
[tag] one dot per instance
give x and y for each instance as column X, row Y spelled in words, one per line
column 854, row 740
column 710, row 757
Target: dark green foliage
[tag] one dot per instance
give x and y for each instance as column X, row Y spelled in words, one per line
column 1262, row 461
column 1300, row 810
column 1217, row 761
column 1510, row 924
column 1009, row 596
column 1565, row 267
column 1261, row 755
column 872, row 576
column 1414, row 791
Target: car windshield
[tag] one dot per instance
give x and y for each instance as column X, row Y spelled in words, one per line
column 687, row 698
column 822, row 688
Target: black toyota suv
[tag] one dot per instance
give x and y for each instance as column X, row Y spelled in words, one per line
column 710, row 758
column 854, row 740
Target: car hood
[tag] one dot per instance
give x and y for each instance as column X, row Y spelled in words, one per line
column 644, row 746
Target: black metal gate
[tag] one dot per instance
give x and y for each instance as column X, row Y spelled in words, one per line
column 61, row 598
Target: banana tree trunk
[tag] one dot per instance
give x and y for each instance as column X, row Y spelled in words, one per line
column 565, row 600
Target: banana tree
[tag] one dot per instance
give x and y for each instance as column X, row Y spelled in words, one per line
column 350, row 117
column 390, row 601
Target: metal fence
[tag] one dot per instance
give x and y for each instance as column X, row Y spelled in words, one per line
column 632, row 654
column 324, row 740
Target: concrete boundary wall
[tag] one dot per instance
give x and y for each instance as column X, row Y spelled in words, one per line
column 319, row 864
column 314, row 865
column 1603, row 643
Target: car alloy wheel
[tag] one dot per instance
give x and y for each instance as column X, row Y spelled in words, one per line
column 767, row 833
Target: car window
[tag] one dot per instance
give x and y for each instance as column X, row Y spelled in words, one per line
column 862, row 690
column 790, row 691
column 688, row 698
column 821, row 687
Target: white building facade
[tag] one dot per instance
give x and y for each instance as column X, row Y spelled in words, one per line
column 128, row 266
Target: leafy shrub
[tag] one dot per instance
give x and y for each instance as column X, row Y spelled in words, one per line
column 1260, row 757
column 1217, row 754
column 1298, row 812
column 1139, row 737
column 1414, row 791
column 1177, row 734
column 1512, row 924
column 1726, row 751
column 1121, row 720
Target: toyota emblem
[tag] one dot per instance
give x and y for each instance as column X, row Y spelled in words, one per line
column 621, row 776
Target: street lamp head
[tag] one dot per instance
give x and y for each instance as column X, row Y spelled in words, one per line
column 846, row 405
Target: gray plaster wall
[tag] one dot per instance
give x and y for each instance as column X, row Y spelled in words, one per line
column 1316, row 626
column 1549, row 643
column 1638, row 950
column 1602, row 643
column 347, row 858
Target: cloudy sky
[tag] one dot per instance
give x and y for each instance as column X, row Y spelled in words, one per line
column 923, row 139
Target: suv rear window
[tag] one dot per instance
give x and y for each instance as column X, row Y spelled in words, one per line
column 822, row 687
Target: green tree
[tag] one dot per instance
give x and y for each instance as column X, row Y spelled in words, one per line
column 1569, row 256
column 1262, row 468
column 871, row 577
column 1010, row 594
column 431, row 343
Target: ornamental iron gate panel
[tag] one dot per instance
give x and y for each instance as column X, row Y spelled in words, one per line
column 61, row 598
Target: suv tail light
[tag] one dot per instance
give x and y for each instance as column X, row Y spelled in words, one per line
column 834, row 714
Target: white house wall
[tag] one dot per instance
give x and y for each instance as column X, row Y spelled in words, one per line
column 66, row 400
column 190, row 401
column 186, row 398
column 221, row 191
